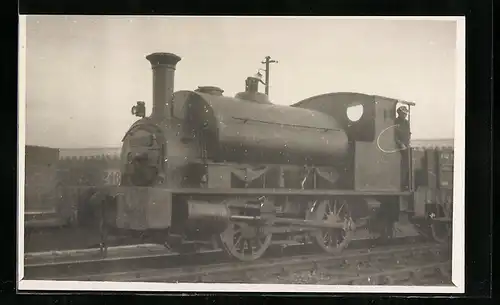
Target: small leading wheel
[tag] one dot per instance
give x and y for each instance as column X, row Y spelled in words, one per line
column 441, row 230
column 244, row 242
column 333, row 241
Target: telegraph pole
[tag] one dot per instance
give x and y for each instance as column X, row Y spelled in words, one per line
column 267, row 62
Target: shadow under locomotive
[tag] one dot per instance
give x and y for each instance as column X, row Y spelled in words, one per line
column 240, row 172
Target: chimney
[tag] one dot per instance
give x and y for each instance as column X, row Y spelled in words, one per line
column 163, row 65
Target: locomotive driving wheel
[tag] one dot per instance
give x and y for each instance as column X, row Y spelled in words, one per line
column 333, row 240
column 244, row 242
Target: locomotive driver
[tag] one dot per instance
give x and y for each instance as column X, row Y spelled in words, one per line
column 402, row 128
column 403, row 141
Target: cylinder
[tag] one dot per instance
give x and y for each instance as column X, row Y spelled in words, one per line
column 163, row 65
column 199, row 210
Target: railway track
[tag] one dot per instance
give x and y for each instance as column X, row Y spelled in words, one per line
column 383, row 266
column 389, row 264
column 93, row 263
column 73, row 263
column 54, row 264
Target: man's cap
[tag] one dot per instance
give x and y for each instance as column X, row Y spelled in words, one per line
column 403, row 109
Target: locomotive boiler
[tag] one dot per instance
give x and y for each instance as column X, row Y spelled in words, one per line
column 242, row 172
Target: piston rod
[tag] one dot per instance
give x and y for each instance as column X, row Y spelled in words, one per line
column 290, row 221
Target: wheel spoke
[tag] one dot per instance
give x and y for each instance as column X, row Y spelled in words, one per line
column 326, row 213
column 325, row 238
column 238, row 241
column 338, row 213
column 251, row 247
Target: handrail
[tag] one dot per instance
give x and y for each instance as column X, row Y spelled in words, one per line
column 284, row 124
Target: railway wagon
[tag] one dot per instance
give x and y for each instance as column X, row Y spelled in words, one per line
column 41, row 185
column 433, row 185
column 89, row 166
column 73, row 174
column 80, row 176
column 242, row 172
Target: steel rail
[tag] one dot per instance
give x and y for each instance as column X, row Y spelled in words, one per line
column 94, row 264
column 73, row 253
column 235, row 271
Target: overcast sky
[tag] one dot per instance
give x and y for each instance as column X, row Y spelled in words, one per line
column 84, row 73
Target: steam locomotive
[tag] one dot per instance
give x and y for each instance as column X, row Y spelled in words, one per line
column 241, row 172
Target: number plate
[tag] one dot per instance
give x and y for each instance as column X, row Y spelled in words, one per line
column 112, row 177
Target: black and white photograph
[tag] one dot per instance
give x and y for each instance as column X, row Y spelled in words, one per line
column 241, row 154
